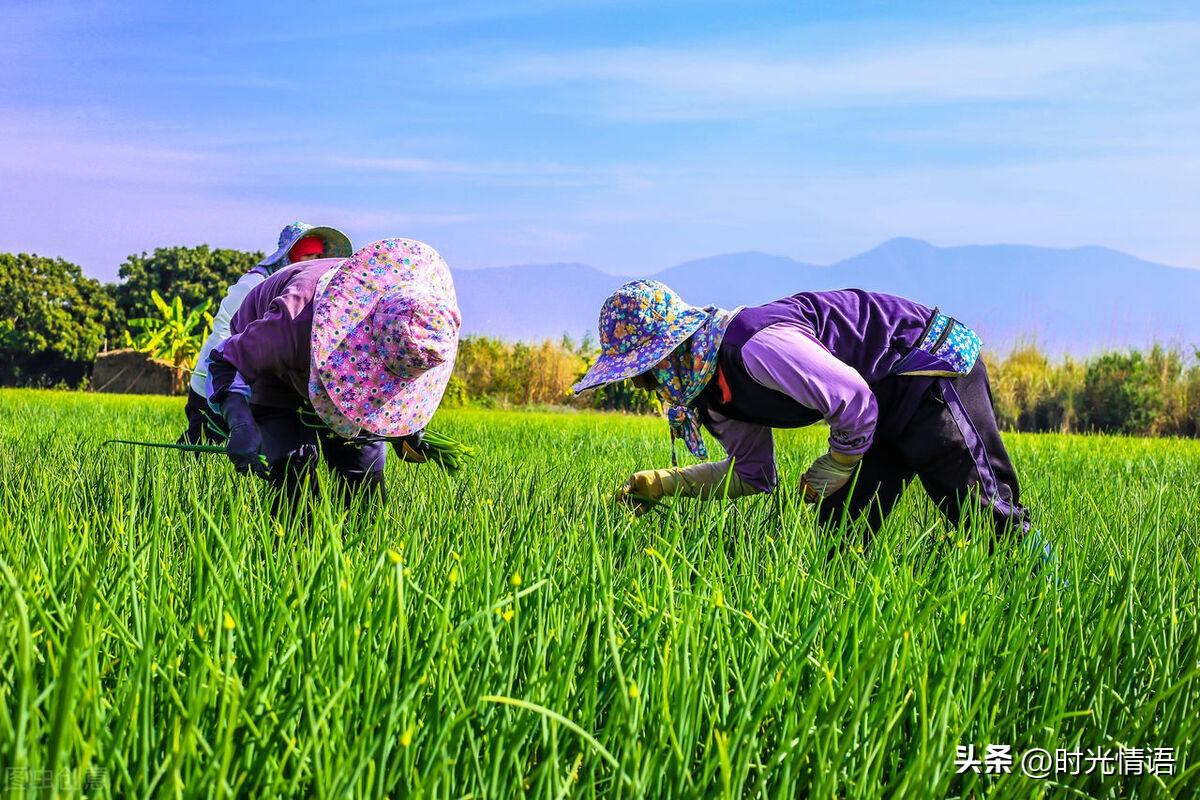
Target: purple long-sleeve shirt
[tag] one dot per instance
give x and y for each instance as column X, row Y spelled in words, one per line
column 270, row 340
column 786, row 358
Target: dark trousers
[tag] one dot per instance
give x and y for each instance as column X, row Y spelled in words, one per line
column 292, row 449
column 952, row 444
column 205, row 426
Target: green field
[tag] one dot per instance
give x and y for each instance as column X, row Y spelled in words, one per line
column 510, row 631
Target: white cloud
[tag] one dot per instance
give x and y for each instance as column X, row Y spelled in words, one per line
column 526, row 174
column 1064, row 137
column 717, row 82
column 1138, row 204
column 368, row 220
column 358, row 23
column 397, row 164
column 43, row 145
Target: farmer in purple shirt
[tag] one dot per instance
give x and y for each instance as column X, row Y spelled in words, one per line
column 329, row 356
column 900, row 385
column 298, row 242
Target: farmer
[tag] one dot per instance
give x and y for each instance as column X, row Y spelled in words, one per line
column 900, row 385
column 331, row 355
column 297, row 242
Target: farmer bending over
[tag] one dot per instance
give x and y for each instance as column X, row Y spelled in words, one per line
column 899, row 384
column 297, row 242
column 331, row 355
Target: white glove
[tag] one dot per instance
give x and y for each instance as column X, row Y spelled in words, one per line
column 827, row 474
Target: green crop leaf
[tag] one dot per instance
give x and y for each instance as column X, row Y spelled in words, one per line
column 171, row 627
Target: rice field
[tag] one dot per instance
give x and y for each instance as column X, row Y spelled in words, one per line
column 508, row 631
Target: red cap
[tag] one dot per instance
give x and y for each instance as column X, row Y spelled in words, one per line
column 307, row 246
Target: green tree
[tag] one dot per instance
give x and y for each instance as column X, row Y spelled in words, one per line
column 1191, row 392
column 193, row 274
column 174, row 335
column 52, row 320
column 624, row 396
column 1121, row 393
column 1031, row 394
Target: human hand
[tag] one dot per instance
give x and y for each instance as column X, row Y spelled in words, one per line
column 244, row 447
column 645, row 489
column 827, row 475
column 411, row 448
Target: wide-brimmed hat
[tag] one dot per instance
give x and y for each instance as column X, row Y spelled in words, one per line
column 384, row 338
column 640, row 324
column 337, row 244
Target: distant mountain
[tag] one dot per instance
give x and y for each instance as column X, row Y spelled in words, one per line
column 1079, row 300
column 740, row 279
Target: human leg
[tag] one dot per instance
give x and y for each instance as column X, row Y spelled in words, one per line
column 204, row 424
column 953, row 442
column 873, row 491
column 291, row 450
column 356, row 468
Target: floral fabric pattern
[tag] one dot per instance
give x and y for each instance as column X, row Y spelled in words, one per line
column 689, row 369
column 640, row 324
column 644, row 322
column 960, row 348
column 384, row 339
column 949, row 349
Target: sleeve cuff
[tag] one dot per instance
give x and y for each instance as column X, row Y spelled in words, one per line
column 763, row 477
column 222, row 380
column 849, row 444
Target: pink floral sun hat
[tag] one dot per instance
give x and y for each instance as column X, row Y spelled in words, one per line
column 384, row 338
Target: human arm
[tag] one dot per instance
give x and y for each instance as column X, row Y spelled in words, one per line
column 751, row 454
column 787, row 359
column 263, row 344
column 269, row 339
column 229, row 306
column 710, row 479
column 245, row 443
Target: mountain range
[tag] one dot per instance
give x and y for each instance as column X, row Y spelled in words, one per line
column 1076, row 301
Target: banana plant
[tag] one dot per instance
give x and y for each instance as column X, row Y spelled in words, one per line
column 174, row 335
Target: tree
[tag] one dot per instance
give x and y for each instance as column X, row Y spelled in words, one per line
column 624, row 396
column 1031, row 394
column 1121, row 393
column 52, row 320
column 491, row 370
column 1191, row 422
column 173, row 335
column 192, row 274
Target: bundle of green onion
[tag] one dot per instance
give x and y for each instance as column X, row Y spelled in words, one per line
column 448, row 453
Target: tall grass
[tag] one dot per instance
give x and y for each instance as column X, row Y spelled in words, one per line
column 509, row 631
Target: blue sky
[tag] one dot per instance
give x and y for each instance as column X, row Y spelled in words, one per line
column 630, row 136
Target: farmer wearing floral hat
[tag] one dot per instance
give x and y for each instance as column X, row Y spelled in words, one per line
column 297, row 242
column 334, row 356
column 900, row 385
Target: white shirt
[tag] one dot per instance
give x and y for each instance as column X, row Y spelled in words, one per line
column 220, row 330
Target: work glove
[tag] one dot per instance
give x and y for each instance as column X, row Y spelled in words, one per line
column 709, row 480
column 651, row 484
column 827, row 475
column 645, row 489
column 245, row 442
column 412, row 448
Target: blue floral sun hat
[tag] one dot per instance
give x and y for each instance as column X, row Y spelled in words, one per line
column 337, row 244
column 640, row 324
